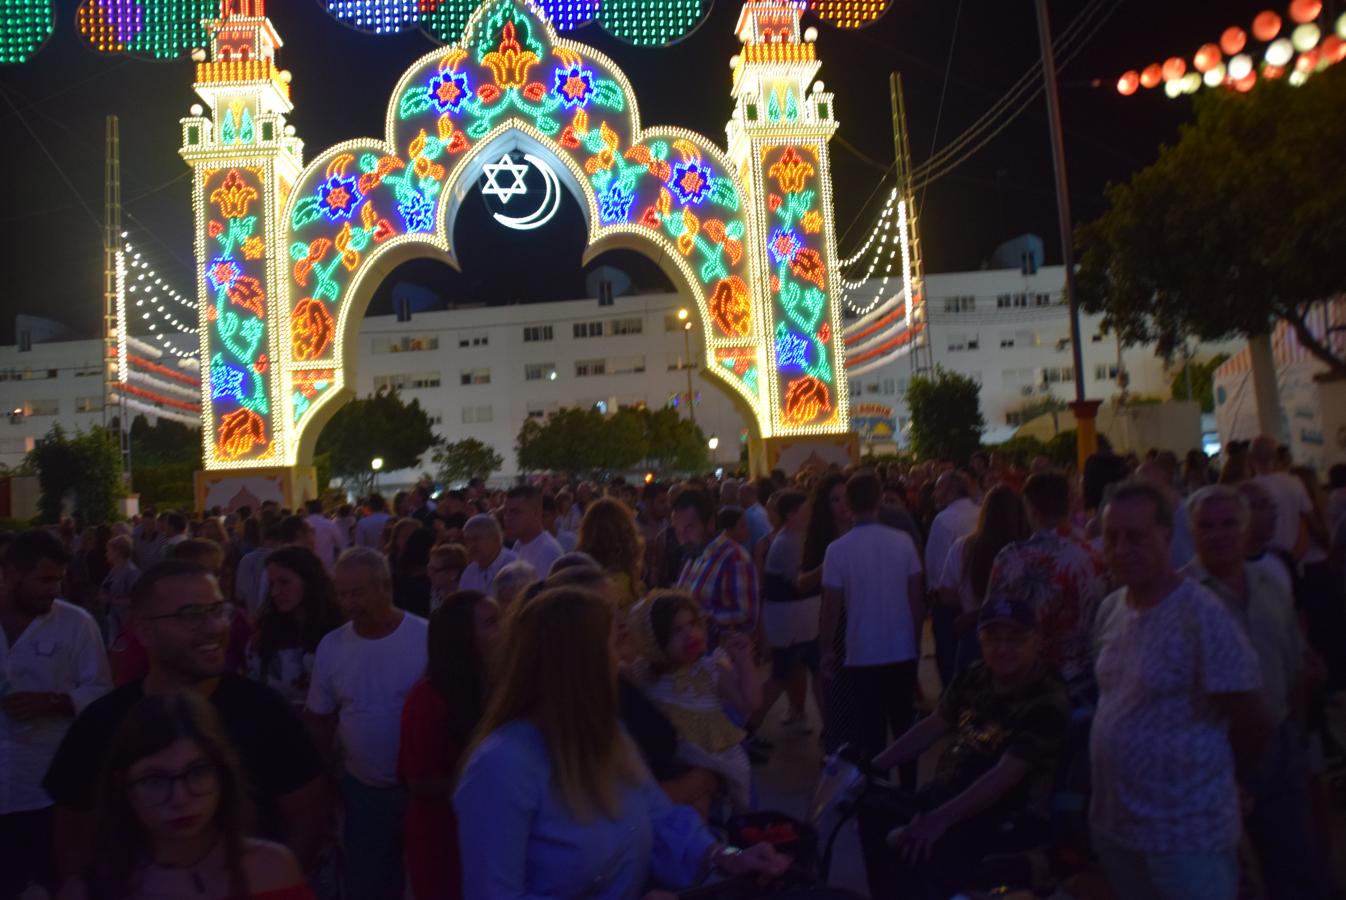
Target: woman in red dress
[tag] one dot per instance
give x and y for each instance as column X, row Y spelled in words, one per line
column 438, row 718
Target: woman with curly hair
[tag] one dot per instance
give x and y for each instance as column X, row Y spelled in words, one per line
column 608, row 533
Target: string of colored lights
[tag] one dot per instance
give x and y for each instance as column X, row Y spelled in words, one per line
column 25, row 26
column 147, row 290
column 149, row 29
column 1306, row 40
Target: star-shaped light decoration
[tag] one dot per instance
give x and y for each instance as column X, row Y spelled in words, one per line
column 507, row 192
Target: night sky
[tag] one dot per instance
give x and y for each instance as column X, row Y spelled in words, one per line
column 342, row 78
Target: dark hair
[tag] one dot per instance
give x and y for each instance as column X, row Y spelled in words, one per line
column 152, row 726
column 416, row 551
column 664, row 608
column 314, row 507
column 728, row 517
column 316, row 615
column 143, row 591
column 193, row 549
column 1138, row 489
column 1002, row 521
column 863, row 493
column 1101, row 471
column 1336, row 476
column 456, row 667
column 787, row 501
column 822, row 528
column 652, row 490
column 32, row 547
column 765, row 488
column 291, row 527
column 377, row 503
column 177, row 522
column 697, row 500
column 1048, row 495
column 524, row 492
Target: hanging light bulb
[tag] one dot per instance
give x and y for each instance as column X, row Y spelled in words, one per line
column 1215, row 77
column 1280, row 52
column 1305, row 37
column 1240, row 66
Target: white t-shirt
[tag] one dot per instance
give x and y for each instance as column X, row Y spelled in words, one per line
column 369, row 530
column 1163, row 770
column 796, row 622
column 954, row 521
column 1292, row 502
column 365, row 681
column 328, row 540
column 870, row 565
column 540, row 552
column 60, row 652
column 953, row 578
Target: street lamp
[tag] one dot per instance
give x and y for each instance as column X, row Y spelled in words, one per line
column 713, row 443
column 375, row 465
column 683, row 316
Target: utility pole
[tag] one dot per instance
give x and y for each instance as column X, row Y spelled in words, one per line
column 1086, row 433
column 115, row 364
column 922, row 361
column 687, row 364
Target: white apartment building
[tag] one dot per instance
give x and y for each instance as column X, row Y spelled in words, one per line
column 1010, row 332
column 46, row 384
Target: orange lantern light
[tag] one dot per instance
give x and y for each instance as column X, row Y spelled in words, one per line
column 1233, row 40
column 1128, row 83
column 1305, row 10
column 1333, row 50
column 1207, row 58
column 1151, row 75
column 1307, row 62
column 1271, row 73
column 1245, row 84
column 1174, row 68
column 1266, row 26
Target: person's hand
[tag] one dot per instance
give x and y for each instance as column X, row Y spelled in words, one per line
column 762, row 860
column 23, row 706
column 739, row 649
column 916, row 840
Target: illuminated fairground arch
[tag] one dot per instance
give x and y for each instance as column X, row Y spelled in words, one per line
column 290, row 256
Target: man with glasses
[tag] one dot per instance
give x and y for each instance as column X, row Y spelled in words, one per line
column 52, row 665
column 178, row 614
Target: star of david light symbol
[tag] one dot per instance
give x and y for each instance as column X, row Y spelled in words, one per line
column 494, row 172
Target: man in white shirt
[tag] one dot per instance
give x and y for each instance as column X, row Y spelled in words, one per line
column 52, row 665
column 328, row 541
column 174, row 529
column 485, row 549
column 1296, row 526
column 957, row 517
column 369, row 530
column 524, row 525
column 873, row 572
column 361, row 675
column 1180, row 691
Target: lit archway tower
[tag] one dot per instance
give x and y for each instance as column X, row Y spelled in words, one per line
column 244, row 160
column 778, row 137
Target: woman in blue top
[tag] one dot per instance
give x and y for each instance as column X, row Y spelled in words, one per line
column 555, row 801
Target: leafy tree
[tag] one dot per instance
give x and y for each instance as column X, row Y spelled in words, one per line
column 946, row 420
column 1203, row 381
column 164, row 442
column 674, row 444
column 466, row 459
column 382, row 425
column 1237, row 225
column 581, row 441
column 79, row 475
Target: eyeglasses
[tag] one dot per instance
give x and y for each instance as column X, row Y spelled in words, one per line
column 194, row 615
column 157, row 789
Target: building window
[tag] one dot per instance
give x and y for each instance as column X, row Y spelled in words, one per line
column 87, row 372
column 407, row 343
column 1011, row 301
column 476, row 415
column 16, row 444
column 474, row 376
column 1097, row 339
column 957, row 343
column 43, row 407
column 474, row 339
column 1042, row 299
column 401, row 382
column 533, row 334
column 1058, row 374
column 889, row 386
column 540, row 410
column 88, row 404
column 1006, row 340
column 587, row 367
column 1105, row 372
column 588, row 329
column 960, row 304
column 627, row 365
column 627, row 326
column 539, row 372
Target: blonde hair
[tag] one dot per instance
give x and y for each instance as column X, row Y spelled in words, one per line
column 608, row 534
column 558, row 672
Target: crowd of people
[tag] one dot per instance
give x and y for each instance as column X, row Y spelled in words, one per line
column 560, row 689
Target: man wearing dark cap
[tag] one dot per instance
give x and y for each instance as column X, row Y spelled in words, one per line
column 1006, row 719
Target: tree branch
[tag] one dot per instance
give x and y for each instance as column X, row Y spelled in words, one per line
column 1323, row 351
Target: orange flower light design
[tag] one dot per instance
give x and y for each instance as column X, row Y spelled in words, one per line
column 238, row 432
column 509, row 62
column 234, row 196
column 790, row 171
column 730, row 308
column 311, row 329
column 805, row 398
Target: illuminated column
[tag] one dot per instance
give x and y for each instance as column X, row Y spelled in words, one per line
column 244, row 160
column 778, row 139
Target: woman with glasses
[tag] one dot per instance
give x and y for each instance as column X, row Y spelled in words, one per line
column 300, row 608
column 174, row 816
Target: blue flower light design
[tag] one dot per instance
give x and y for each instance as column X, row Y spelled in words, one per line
column 574, row 86
column 690, row 182
column 338, row 197
column 222, row 272
column 226, row 382
column 791, row 350
column 614, row 204
column 448, row 91
column 417, row 212
column 784, row 245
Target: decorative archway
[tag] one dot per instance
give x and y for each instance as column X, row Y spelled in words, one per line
column 290, row 257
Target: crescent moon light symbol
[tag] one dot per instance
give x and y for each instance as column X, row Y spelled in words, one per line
column 551, row 200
